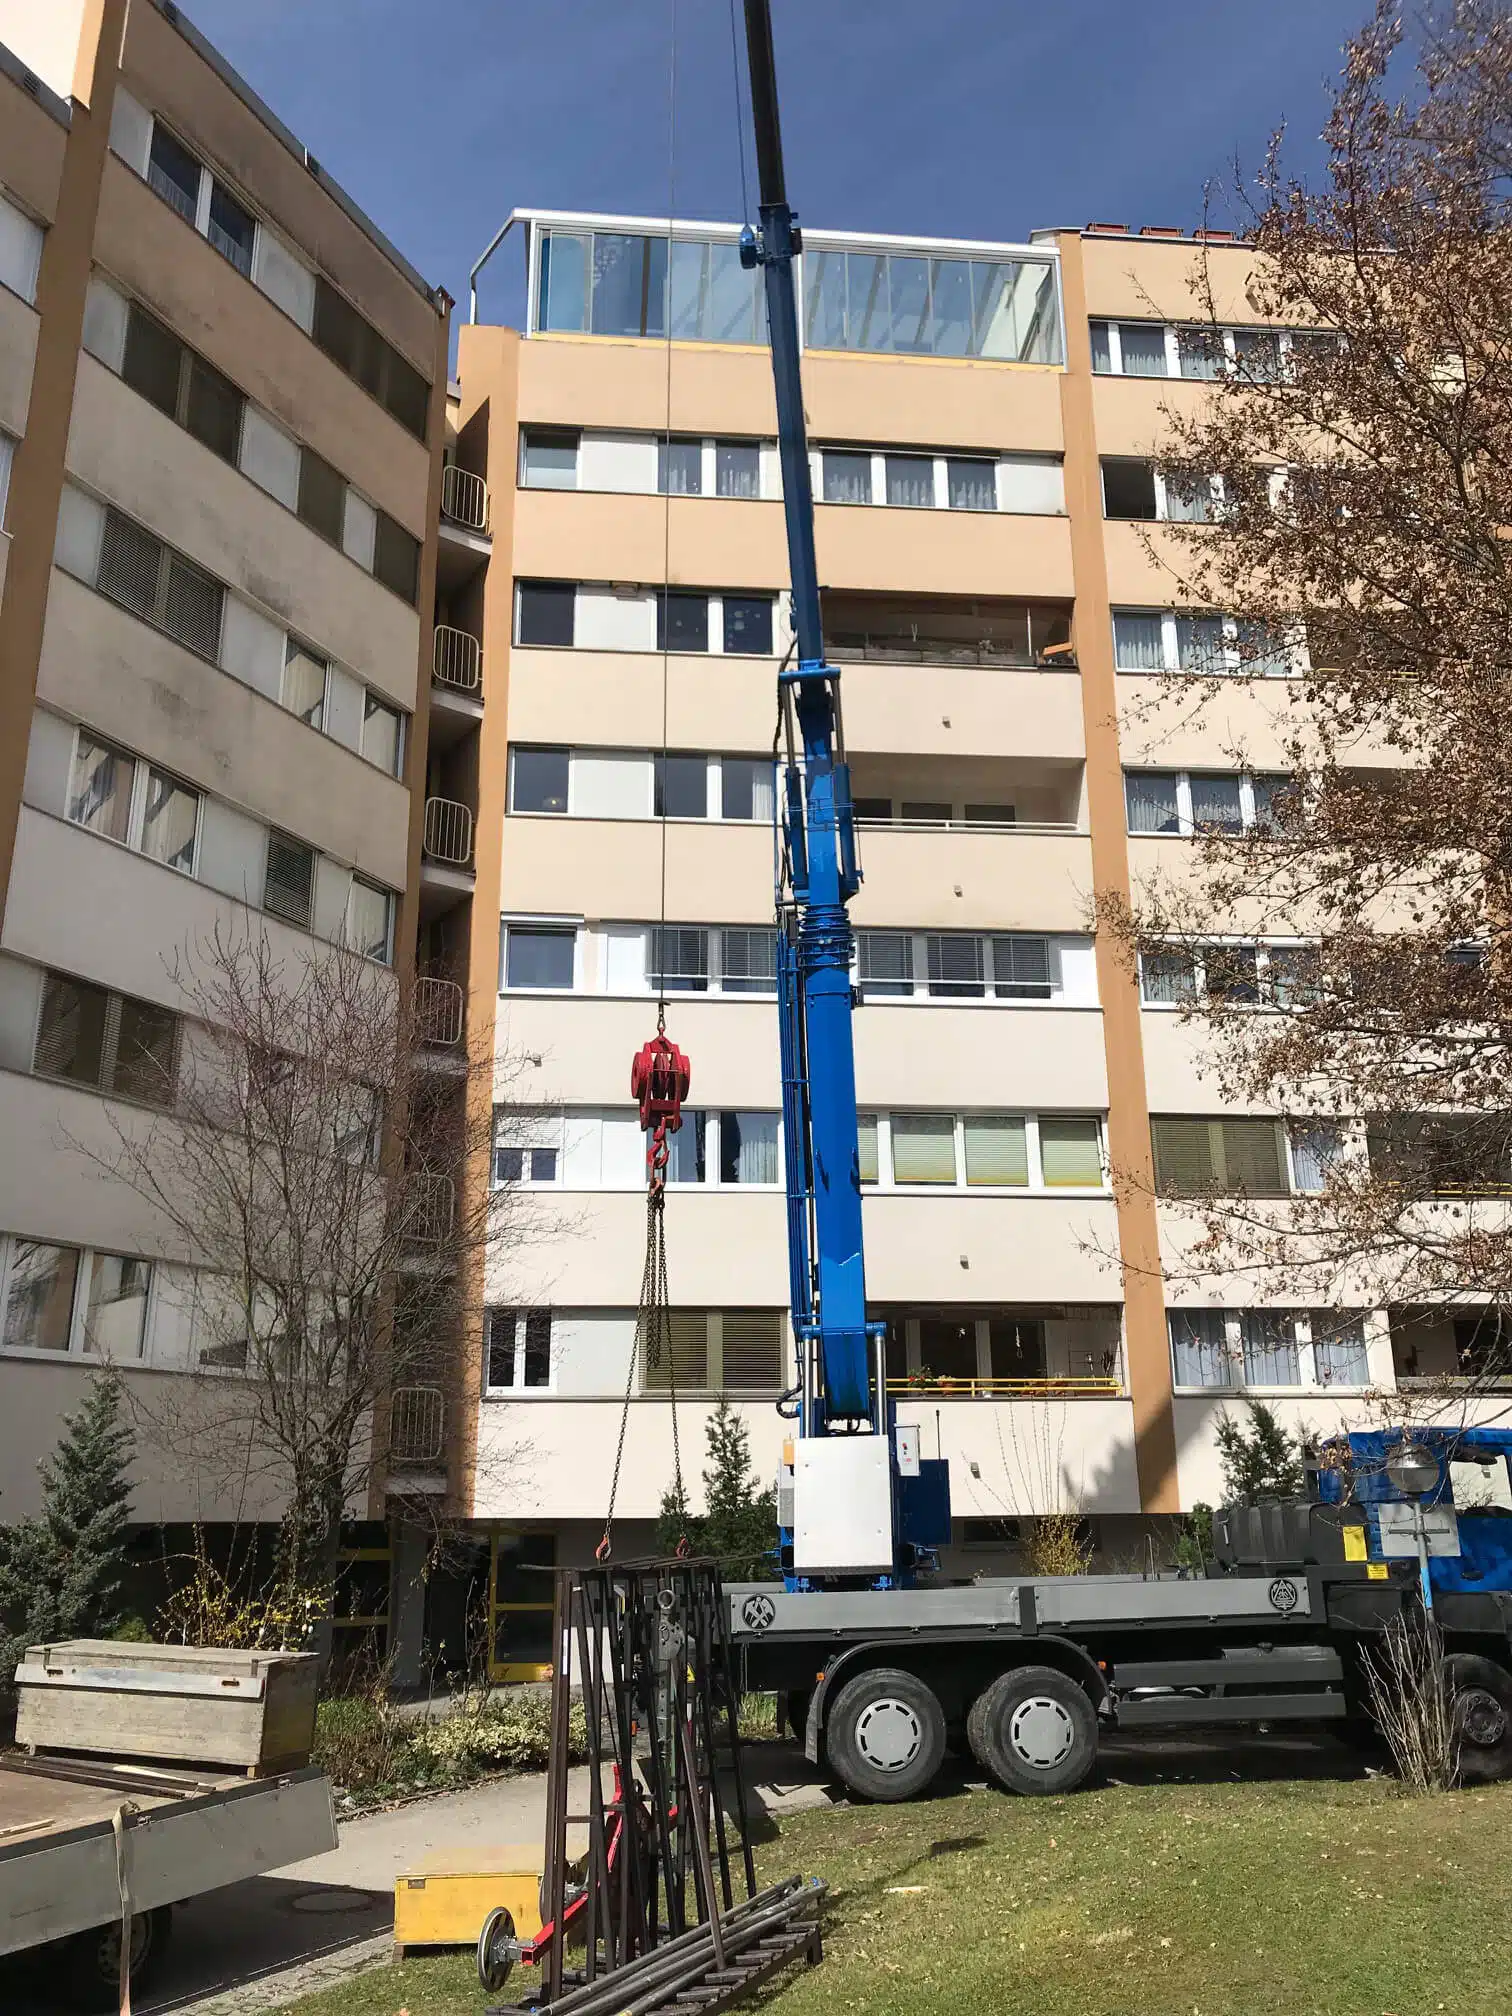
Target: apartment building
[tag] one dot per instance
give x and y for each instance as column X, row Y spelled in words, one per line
column 222, row 412
column 998, row 590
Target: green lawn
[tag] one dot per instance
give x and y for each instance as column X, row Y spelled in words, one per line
column 1312, row 1899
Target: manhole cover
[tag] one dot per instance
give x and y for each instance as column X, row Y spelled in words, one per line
column 330, row 1903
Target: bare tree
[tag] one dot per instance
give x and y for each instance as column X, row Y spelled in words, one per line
column 307, row 1163
column 1362, row 531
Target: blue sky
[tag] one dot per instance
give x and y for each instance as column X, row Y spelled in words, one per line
column 943, row 119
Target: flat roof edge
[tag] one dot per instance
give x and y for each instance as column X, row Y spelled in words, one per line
column 208, row 53
column 813, row 234
column 28, row 81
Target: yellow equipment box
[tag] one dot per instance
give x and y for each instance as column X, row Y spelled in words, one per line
column 443, row 1905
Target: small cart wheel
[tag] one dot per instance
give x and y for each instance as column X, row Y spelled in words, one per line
column 498, row 1949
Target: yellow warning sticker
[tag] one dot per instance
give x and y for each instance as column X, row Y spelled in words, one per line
column 1376, row 1571
column 1354, row 1543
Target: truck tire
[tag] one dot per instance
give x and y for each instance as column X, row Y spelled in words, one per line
column 87, row 1966
column 885, row 1734
column 1480, row 1694
column 1034, row 1731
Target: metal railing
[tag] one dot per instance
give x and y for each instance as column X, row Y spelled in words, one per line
column 230, row 248
column 448, row 832
column 1030, row 826
column 854, row 647
column 1072, row 1388
column 457, row 659
column 439, row 1006
column 170, row 192
column 417, row 1424
column 464, row 498
column 432, row 1211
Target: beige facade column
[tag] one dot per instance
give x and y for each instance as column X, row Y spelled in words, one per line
column 37, row 473
column 1146, row 1342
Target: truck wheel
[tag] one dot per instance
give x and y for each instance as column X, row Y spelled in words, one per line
column 1033, row 1730
column 89, row 1964
column 885, row 1734
column 1480, row 1694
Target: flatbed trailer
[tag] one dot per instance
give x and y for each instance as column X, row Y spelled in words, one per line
column 181, row 1832
column 1029, row 1669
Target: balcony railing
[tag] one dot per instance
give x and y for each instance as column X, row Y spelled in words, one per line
column 457, row 659
column 417, row 1424
column 1073, row 1388
column 439, row 1006
column 464, row 498
column 170, row 191
column 448, row 832
column 230, row 248
column 432, row 1211
column 859, row 647
column 967, row 826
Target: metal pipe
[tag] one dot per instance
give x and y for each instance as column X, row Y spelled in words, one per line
column 478, row 264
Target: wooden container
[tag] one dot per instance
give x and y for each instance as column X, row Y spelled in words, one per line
column 182, row 1704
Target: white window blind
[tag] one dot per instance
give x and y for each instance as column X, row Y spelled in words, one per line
column 624, row 956
column 997, row 1151
column 359, row 529
column 923, row 1148
column 606, row 621
column 1031, row 483
column 130, row 130
column 20, row 251
column 1070, row 1154
column 105, row 312
column 270, row 457
column 284, row 279
column 866, row 1141
column 612, row 786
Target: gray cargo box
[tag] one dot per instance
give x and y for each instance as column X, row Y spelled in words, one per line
column 185, row 1704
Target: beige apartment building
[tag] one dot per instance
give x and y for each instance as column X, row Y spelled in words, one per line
column 222, row 406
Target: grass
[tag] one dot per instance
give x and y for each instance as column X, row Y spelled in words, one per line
column 1312, row 1899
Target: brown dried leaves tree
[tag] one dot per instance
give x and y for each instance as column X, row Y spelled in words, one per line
column 1366, row 508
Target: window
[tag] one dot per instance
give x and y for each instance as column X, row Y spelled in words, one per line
column 1022, row 969
column 231, row 229
column 117, row 796
column 1340, row 1357
column 847, row 477
column 1257, row 355
column 679, row 962
column 20, row 251
column 1232, row 973
column 1167, row 977
column 680, row 788
column 748, row 1148
column 748, row 625
column 115, row 1313
column 1194, row 1157
column 170, row 821
column 353, row 343
column 7, row 452
column 1197, row 801
column 1152, row 640
column 1268, row 1338
column 370, row 921
column 1315, row 1148
column 101, row 789
column 682, row 620
column 538, row 780
column 1200, row 643
column 1128, row 488
column 923, row 1148
column 181, row 384
column 746, row 787
column 1215, row 804
column 628, row 284
column 910, row 480
column 528, row 1157
column 539, row 956
column 970, row 486
column 142, row 574
column 174, row 172
column 303, row 689
column 1188, row 499
column 1137, row 349
column 737, row 469
column 382, row 735
column 1138, row 640
column 322, row 496
column 1199, row 1347
column 885, row 963
column 549, row 458
column 748, row 961
column 517, row 1349
column 997, row 1151
column 1440, row 1154
column 545, row 612
column 396, row 558
column 687, row 1159
column 1200, row 353
column 930, row 307
column 866, row 1146
column 733, row 1351
column 1071, row 1154
column 1151, row 800
column 289, row 880
column 679, row 467
column 64, row 1300
column 114, row 1042
column 955, row 965
column 39, row 1298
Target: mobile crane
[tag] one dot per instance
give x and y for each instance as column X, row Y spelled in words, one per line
column 879, row 1667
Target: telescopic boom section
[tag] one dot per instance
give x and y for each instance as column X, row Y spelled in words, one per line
column 841, row 1380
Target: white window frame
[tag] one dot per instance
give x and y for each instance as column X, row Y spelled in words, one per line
column 1170, row 649
column 545, row 1131
column 1187, row 828
column 1233, row 1354
column 519, row 1390
column 886, row 1184
column 35, row 237
column 136, row 817
column 209, row 176
column 714, row 1381
column 376, row 889
column 1114, row 327
column 1262, row 948
column 76, row 1353
column 513, row 919
column 401, row 738
column 713, row 815
column 989, row 998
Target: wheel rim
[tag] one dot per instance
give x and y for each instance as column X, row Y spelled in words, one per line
column 889, row 1734
column 108, row 1953
column 1041, row 1732
column 1482, row 1718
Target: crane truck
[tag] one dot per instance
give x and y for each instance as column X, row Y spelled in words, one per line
column 880, row 1661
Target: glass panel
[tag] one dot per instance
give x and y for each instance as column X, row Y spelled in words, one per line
column 746, row 787
column 99, row 792
column 396, row 559
column 153, row 361
column 1017, row 1346
column 926, row 811
column 537, row 1367
column 1268, row 788
column 909, row 329
column 866, row 1146
column 679, row 468
column 368, row 920
column 213, row 411
column 170, row 822
column 679, row 959
column 1201, row 352
column 1102, row 350
column 686, row 1160
column 115, row 1316
column 990, row 815
column 382, row 735
column 1293, row 975
column 145, row 1046
column 997, row 1151
column 304, row 683
column 1314, row 1151
column 39, row 1299
column 72, row 1031
column 549, row 458
column 824, row 291
column 1144, row 349
column 1189, row 500
column 627, row 284
column 1231, row 973
column 910, row 480
column 231, row 229
column 866, row 310
column 955, row 965
column 748, row 1147
column 1269, row 1337
column 735, row 310
column 1199, row 1347
column 1339, row 1353
column 690, row 289
column 538, row 957
column 1150, row 797
column 1257, row 355
column 972, row 485
column 950, row 285
column 563, row 281
column 1139, row 640
column 1015, row 311
column 1021, row 969
column 737, row 469
column 1167, row 976
column 923, row 1146
column 748, row 961
column 173, row 172
column 1199, row 643
column 1215, row 803
column 682, row 620
column 1128, row 487
column 680, row 787
column 547, row 610
column 1264, row 652
column 1070, row 1154
column 847, row 477
column 885, row 962
column 539, row 780
column 338, row 328
column 322, row 495
column 947, row 1347
column 748, row 625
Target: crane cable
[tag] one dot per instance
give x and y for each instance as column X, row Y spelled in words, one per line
column 653, row 1318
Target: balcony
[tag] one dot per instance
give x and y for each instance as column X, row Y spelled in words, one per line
column 464, row 498
column 948, row 630
column 456, row 686
column 446, row 856
column 439, row 1011
column 432, row 1214
column 1007, row 1389
column 1453, row 1351
column 1067, row 1352
column 943, row 794
column 464, row 544
column 417, row 1441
